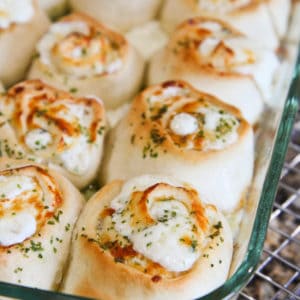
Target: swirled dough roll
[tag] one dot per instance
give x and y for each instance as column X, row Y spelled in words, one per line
column 119, row 14
column 41, row 123
column 38, row 209
column 148, row 238
column 54, row 8
column 22, row 23
column 263, row 20
column 84, row 57
column 175, row 130
column 217, row 59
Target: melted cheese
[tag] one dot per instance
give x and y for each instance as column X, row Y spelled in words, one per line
column 220, row 129
column 38, row 139
column 75, row 50
column 13, row 186
column 163, row 241
column 15, row 11
column 221, row 6
column 16, row 228
column 184, row 124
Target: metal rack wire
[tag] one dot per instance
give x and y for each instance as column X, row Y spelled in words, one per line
column 278, row 274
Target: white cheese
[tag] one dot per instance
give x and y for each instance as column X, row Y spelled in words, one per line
column 15, row 11
column 221, row 6
column 38, row 139
column 16, row 228
column 168, row 92
column 223, row 129
column 14, row 185
column 184, row 124
column 162, row 241
column 75, row 158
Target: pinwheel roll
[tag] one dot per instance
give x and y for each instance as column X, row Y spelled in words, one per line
column 175, row 130
column 118, row 14
column 22, row 23
column 215, row 58
column 263, row 20
column 84, row 57
column 148, row 238
column 54, row 8
column 47, row 125
column 38, row 209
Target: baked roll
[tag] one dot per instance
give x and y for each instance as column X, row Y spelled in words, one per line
column 54, row 8
column 84, row 57
column 175, row 130
column 217, row 59
column 41, row 123
column 148, row 238
column 38, row 209
column 118, row 14
column 22, row 23
column 263, row 20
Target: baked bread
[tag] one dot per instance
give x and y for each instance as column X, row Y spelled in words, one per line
column 217, row 59
column 148, row 238
column 175, row 130
column 47, row 125
column 22, row 23
column 38, row 210
column 54, row 8
column 262, row 20
column 84, row 57
column 119, row 14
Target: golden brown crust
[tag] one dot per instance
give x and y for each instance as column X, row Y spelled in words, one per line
column 143, row 125
column 101, row 276
column 39, row 260
column 33, row 105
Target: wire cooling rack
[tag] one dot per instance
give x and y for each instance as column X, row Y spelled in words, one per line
column 278, row 273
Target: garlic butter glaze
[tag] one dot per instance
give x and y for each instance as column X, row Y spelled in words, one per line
column 265, row 21
column 38, row 209
column 149, row 238
column 82, row 56
column 53, row 127
column 214, row 57
column 215, row 152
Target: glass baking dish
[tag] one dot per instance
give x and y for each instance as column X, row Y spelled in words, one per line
column 272, row 141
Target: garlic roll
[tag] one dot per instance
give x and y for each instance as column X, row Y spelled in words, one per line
column 22, row 23
column 217, row 59
column 148, row 238
column 43, row 124
column 118, row 14
column 262, row 20
column 38, row 209
column 175, row 130
column 84, row 57
column 54, row 8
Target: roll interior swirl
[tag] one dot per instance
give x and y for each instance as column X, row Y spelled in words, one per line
column 176, row 130
column 38, row 209
column 263, row 20
column 216, row 58
column 22, row 22
column 84, row 57
column 41, row 123
column 120, row 15
column 149, row 238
